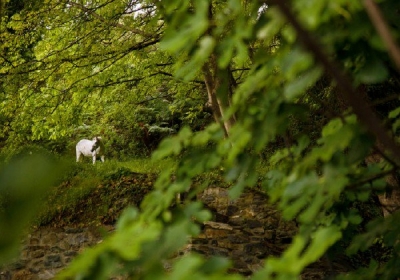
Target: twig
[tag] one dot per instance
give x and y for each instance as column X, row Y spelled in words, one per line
column 370, row 179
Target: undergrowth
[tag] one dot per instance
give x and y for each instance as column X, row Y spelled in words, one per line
column 95, row 194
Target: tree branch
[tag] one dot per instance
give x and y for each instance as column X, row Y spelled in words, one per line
column 360, row 107
column 370, row 179
column 104, row 20
column 382, row 27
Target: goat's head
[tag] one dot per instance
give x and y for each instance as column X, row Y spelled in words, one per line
column 96, row 143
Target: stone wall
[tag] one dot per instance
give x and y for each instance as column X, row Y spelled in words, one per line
column 47, row 250
column 246, row 230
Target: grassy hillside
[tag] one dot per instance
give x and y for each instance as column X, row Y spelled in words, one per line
column 95, row 194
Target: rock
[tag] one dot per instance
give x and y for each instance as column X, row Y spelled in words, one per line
column 53, row 261
column 46, row 275
column 37, row 254
column 254, row 223
column 216, row 225
column 49, row 239
column 215, row 233
column 238, row 238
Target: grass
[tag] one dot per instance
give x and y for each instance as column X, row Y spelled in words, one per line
column 84, row 181
column 138, row 165
column 145, row 165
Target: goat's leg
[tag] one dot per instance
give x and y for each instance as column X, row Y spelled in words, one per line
column 78, row 156
column 102, row 158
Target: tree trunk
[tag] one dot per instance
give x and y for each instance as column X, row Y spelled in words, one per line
column 220, row 85
column 219, row 90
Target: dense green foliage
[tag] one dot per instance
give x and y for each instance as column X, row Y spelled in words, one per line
column 68, row 71
column 309, row 91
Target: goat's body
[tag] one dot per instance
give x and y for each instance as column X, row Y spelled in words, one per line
column 90, row 148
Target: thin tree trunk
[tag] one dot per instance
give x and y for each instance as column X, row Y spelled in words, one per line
column 219, row 90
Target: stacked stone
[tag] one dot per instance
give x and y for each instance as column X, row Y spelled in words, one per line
column 245, row 230
column 47, row 251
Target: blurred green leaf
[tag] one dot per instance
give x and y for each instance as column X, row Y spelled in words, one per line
column 24, row 183
column 298, row 85
column 168, row 147
column 374, row 71
column 190, row 69
column 394, row 113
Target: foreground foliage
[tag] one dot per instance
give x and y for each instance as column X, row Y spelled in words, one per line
column 24, row 182
column 311, row 87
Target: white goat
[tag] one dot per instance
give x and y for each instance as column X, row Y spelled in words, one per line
column 90, row 148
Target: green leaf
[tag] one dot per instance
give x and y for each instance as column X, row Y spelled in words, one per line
column 296, row 61
column 332, row 127
column 189, row 70
column 300, row 84
column 226, row 50
column 184, row 267
column 272, row 26
column 129, row 215
column 354, row 218
column 313, row 16
column 322, row 239
column 373, row 72
column 24, row 183
column 169, row 146
column 394, row 113
column 186, row 29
